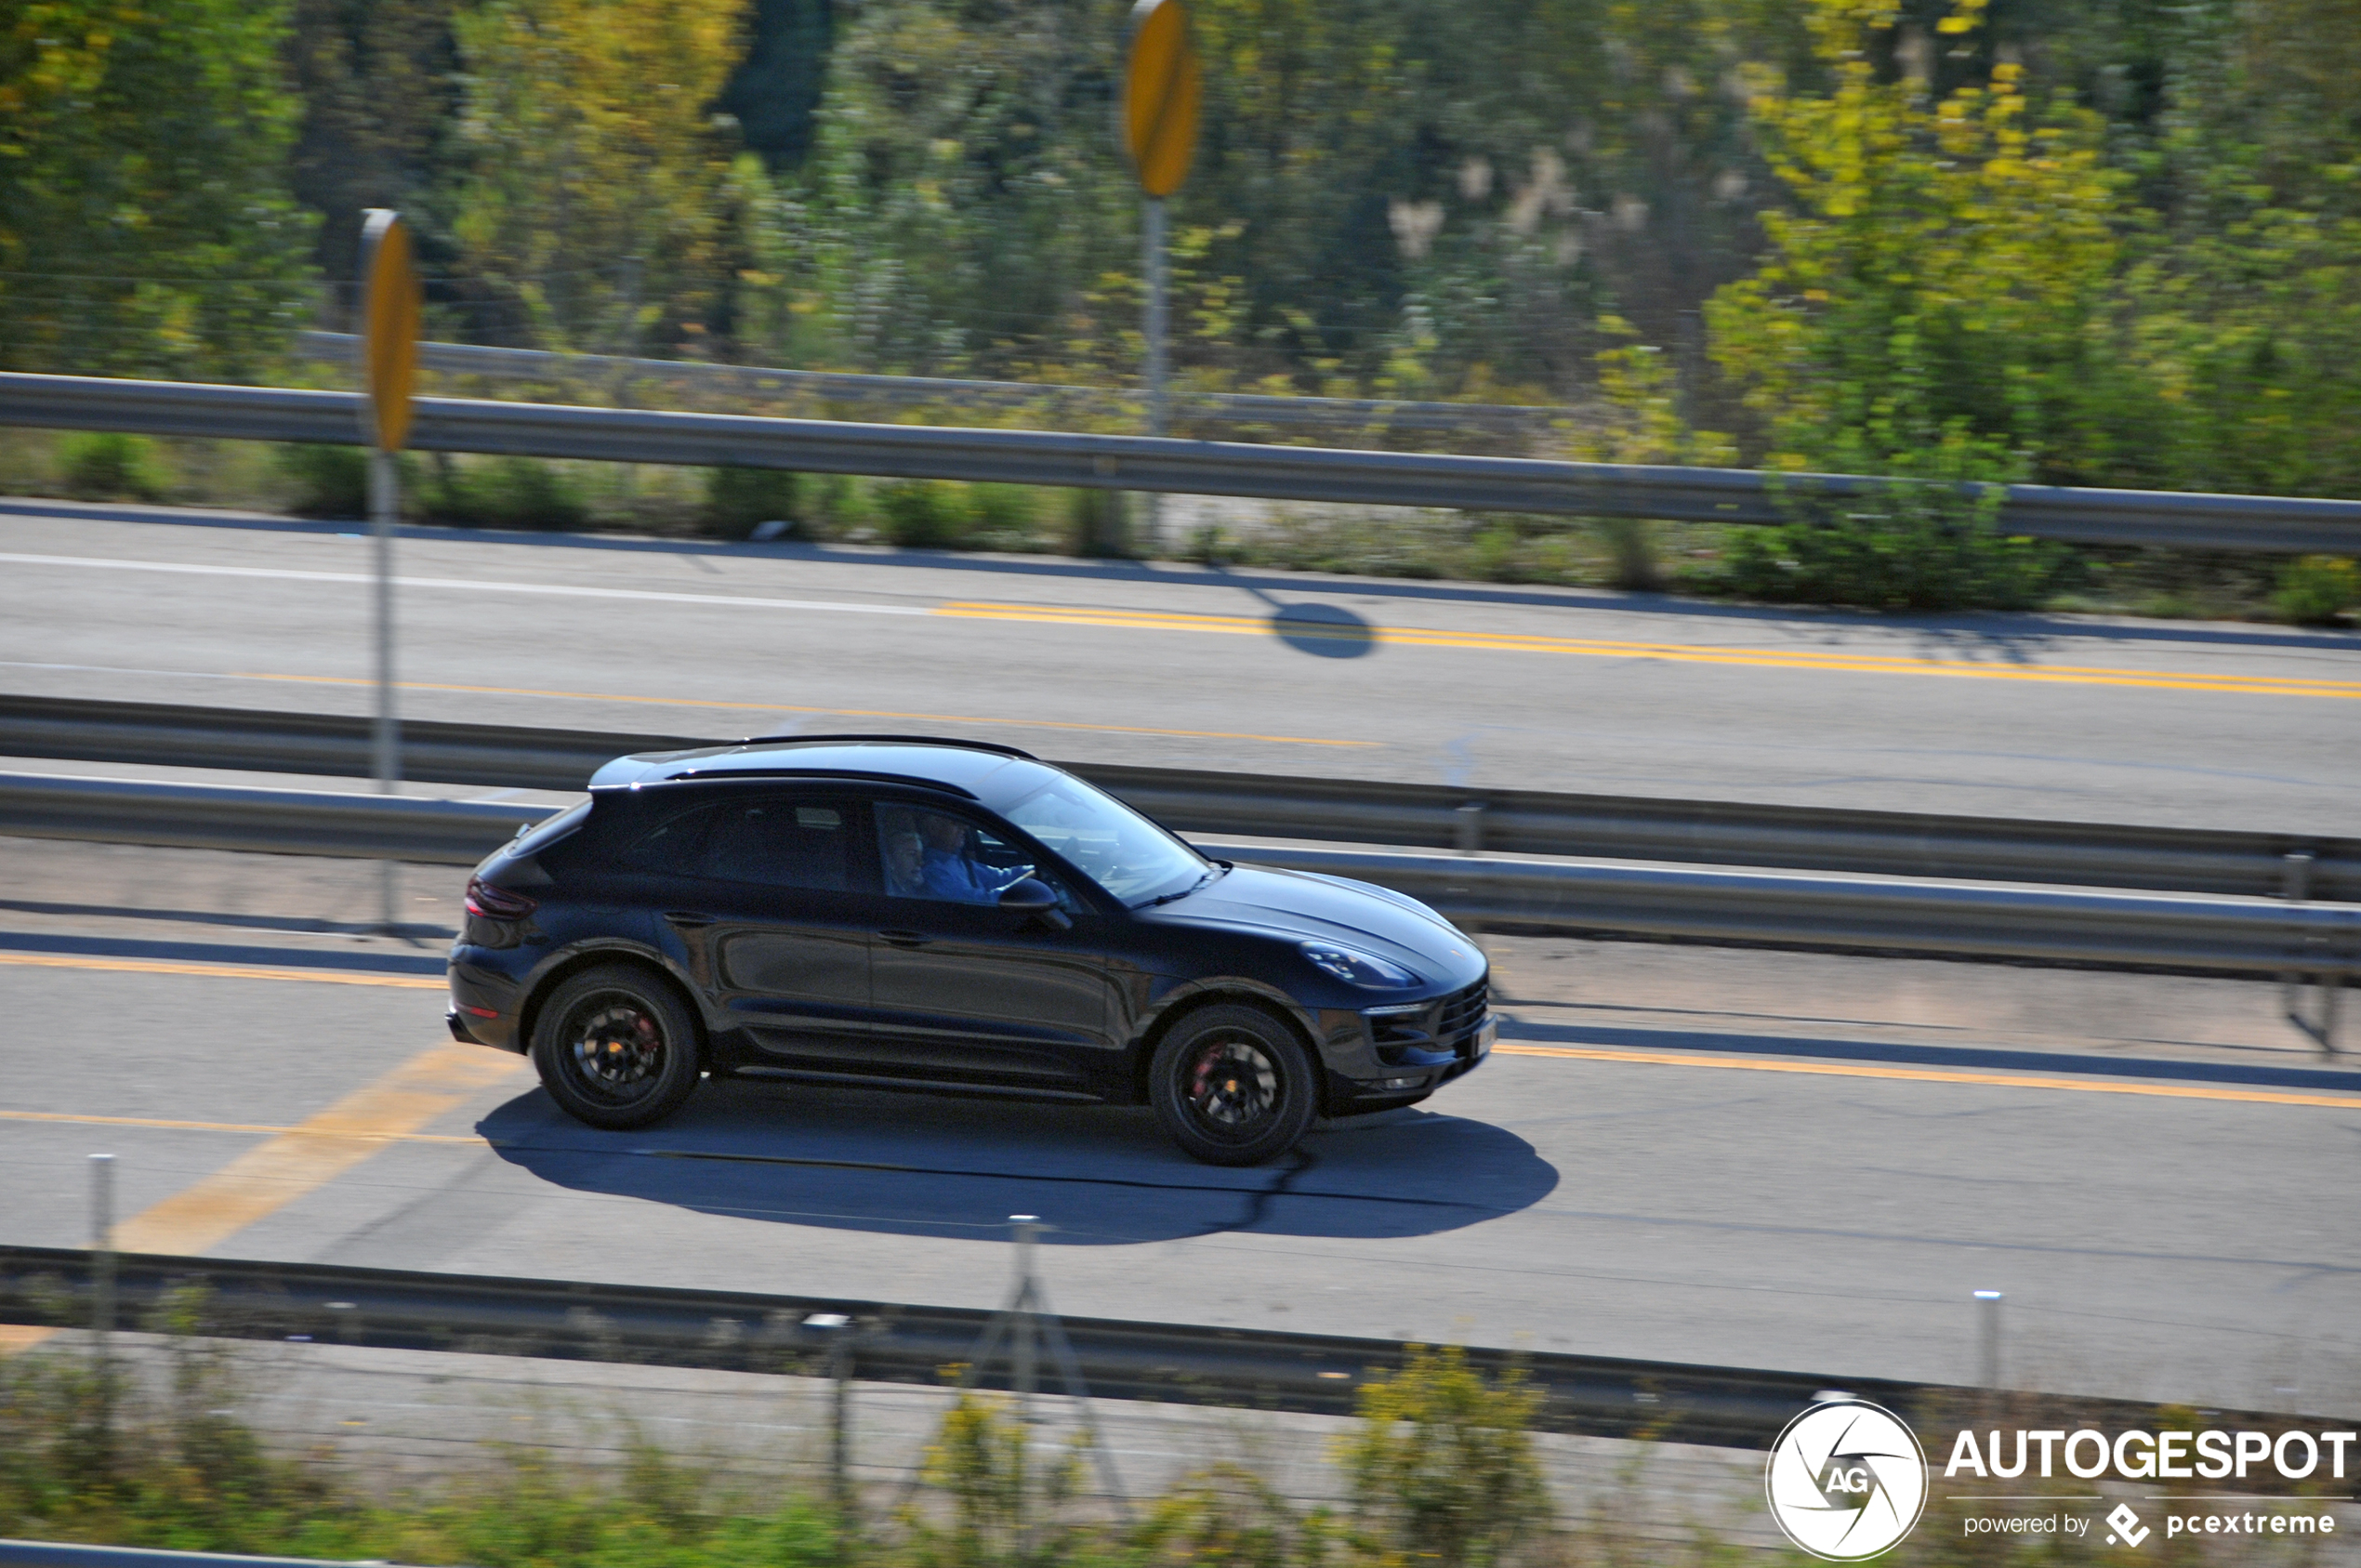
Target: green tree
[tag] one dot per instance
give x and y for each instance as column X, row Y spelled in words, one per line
column 1932, row 296
column 2242, row 311
column 145, row 223
column 378, row 83
column 594, row 168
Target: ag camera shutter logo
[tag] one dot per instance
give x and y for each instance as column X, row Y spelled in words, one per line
column 1846, row 1480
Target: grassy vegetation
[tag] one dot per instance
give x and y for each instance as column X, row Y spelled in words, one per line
column 1912, row 563
column 1440, row 1471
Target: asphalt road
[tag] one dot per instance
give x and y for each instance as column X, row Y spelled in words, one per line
column 2194, row 724
column 1686, row 1154
column 1719, row 1166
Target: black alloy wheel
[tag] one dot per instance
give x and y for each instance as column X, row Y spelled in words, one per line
column 1233, row 1086
column 615, row 1047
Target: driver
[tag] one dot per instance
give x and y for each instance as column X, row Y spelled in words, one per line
column 949, row 871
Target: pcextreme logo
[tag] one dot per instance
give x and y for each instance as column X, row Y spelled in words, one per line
column 1846, row 1480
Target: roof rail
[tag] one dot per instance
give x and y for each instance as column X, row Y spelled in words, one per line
column 717, row 775
column 905, row 739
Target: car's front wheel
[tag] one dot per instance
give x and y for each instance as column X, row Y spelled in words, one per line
column 615, row 1047
column 1233, row 1086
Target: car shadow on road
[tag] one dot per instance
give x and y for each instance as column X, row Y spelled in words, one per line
column 910, row 1165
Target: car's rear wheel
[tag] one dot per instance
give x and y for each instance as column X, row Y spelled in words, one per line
column 1233, row 1086
column 615, row 1047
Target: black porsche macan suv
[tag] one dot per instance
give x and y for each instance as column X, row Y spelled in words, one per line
column 937, row 915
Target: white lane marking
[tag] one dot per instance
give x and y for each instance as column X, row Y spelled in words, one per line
column 470, row 584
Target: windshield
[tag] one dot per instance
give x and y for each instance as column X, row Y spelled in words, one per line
column 1114, row 846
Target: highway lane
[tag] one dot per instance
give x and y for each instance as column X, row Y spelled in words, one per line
column 2048, row 717
column 2188, row 1239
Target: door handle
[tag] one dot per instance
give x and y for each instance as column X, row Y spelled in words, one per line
column 689, row 917
column 904, row 939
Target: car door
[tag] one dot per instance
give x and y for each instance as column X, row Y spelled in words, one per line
column 772, row 895
column 964, row 989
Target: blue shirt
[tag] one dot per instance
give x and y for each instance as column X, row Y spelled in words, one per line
column 947, row 874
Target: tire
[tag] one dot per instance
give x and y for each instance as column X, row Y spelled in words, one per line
column 615, row 1047
column 1233, row 1086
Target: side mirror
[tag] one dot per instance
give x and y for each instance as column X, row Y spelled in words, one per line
column 1035, row 898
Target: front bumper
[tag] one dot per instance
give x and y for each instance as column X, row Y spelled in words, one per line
column 1406, row 1051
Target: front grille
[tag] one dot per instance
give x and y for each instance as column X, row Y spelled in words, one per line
column 1463, row 1013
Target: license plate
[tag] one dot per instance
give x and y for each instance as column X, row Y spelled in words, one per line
column 1484, row 1037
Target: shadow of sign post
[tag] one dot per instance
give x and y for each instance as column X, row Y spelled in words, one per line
column 1326, row 631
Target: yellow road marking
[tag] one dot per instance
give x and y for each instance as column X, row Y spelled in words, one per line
column 1922, row 1074
column 789, row 707
column 315, row 1150
column 295, row 1160
column 231, row 971
column 1674, row 653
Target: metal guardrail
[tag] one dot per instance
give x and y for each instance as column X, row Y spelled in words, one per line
column 70, row 1554
column 1142, row 463
column 1349, row 810
column 1315, row 1374
column 2114, row 929
column 286, row 821
column 903, row 391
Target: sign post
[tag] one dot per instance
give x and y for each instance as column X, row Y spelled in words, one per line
column 389, row 349
column 1162, row 91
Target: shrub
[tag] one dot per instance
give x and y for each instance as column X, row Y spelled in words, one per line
column 1004, row 1500
column 506, row 493
column 2316, row 589
column 737, row 500
column 108, row 463
column 835, row 505
column 1631, row 543
column 1094, row 523
column 922, row 514
column 331, row 481
column 1006, row 512
column 1908, row 545
column 1441, row 1468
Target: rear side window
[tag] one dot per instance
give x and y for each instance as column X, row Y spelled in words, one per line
column 675, row 845
column 539, row 836
column 779, row 843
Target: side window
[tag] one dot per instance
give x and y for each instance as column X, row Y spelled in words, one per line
column 782, row 842
column 929, row 854
column 674, row 845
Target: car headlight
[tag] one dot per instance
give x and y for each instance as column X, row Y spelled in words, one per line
column 1364, row 970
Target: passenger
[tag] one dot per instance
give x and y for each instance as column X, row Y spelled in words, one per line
column 948, row 871
column 905, row 862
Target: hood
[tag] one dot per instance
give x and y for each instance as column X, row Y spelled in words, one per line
column 1296, row 904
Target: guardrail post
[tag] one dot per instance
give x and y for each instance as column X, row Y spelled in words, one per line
column 838, row 1329
column 1467, row 828
column 2295, row 886
column 102, row 1285
column 1023, row 1303
column 1989, row 1339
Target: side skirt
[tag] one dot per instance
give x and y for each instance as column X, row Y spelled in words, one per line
column 919, row 1085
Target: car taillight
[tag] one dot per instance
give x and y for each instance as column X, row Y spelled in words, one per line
column 497, row 903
